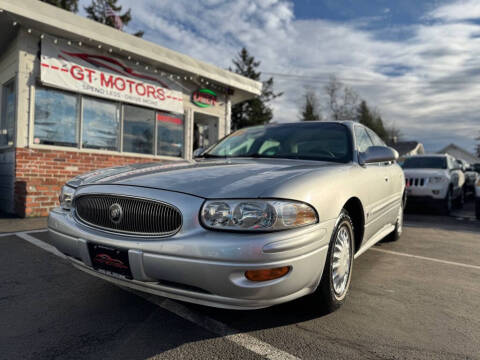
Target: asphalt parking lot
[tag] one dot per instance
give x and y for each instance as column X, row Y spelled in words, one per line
column 417, row 298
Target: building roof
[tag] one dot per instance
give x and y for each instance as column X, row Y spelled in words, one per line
column 64, row 24
column 460, row 153
column 405, row 147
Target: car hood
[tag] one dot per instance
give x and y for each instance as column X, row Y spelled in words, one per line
column 210, row 178
column 425, row 172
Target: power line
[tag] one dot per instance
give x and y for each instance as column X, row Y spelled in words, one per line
column 326, row 79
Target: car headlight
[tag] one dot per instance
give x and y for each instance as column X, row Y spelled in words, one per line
column 436, row 179
column 256, row 215
column 66, row 197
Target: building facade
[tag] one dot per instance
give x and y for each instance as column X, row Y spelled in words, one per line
column 77, row 95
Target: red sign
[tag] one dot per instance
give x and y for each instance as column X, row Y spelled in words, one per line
column 169, row 119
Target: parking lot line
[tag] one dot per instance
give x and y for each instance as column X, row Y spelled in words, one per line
column 24, row 232
column 476, row 267
column 216, row 327
column 43, row 245
column 248, row 342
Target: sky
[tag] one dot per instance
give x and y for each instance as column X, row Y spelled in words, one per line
column 416, row 61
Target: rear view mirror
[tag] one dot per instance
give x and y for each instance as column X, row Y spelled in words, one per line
column 376, row 154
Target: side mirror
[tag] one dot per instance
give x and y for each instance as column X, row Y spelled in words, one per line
column 198, row 152
column 375, row 154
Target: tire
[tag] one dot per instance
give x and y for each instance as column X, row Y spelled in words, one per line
column 446, row 206
column 477, row 208
column 397, row 232
column 460, row 200
column 332, row 293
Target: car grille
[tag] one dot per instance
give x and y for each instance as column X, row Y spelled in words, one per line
column 414, row 182
column 128, row 215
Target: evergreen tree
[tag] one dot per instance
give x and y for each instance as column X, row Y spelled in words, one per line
column 371, row 119
column 310, row 110
column 69, row 5
column 98, row 11
column 379, row 128
column 254, row 111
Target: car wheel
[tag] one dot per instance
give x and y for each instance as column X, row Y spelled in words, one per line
column 460, row 200
column 337, row 272
column 447, row 203
column 397, row 232
column 477, row 209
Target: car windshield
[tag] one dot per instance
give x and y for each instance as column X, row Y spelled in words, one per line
column 307, row 141
column 425, row 163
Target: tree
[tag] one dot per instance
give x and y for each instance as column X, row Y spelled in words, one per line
column 342, row 100
column 310, row 109
column 393, row 134
column 98, row 11
column 255, row 111
column 69, row 5
column 371, row 119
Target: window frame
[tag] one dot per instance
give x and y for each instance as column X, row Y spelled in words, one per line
column 12, row 81
column 81, row 149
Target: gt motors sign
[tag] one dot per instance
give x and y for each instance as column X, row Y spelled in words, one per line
column 83, row 71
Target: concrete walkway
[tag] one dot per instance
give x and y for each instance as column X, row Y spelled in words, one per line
column 8, row 225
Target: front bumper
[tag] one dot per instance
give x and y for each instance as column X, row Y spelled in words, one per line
column 427, row 192
column 202, row 266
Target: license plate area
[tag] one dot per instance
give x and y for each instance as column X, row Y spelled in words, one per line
column 110, row 260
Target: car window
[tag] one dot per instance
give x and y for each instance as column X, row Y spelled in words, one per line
column 307, row 141
column 269, row 147
column 362, row 139
column 375, row 138
column 425, row 162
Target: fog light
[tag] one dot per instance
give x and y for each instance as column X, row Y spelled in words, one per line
column 436, row 192
column 267, row 274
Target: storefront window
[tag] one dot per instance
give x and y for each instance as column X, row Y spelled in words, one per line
column 169, row 134
column 101, row 124
column 7, row 117
column 138, row 130
column 56, row 115
column 60, row 117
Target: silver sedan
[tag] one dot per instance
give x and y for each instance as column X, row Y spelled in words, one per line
column 267, row 215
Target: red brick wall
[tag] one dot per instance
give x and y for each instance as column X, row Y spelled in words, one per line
column 40, row 175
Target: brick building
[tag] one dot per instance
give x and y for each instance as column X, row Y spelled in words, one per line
column 76, row 95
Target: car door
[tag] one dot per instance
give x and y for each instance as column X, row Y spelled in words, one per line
column 395, row 183
column 375, row 187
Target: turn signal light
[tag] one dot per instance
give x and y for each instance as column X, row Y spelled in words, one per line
column 267, row 274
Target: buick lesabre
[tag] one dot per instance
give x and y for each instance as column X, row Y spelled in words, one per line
column 266, row 215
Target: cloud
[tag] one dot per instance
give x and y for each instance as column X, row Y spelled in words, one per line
column 427, row 83
column 458, row 10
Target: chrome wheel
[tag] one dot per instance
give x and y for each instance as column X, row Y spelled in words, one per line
column 341, row 261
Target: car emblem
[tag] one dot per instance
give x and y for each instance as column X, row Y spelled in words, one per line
column 115, row 213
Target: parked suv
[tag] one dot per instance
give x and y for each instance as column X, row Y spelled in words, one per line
column 434, row 179
column 471, row 177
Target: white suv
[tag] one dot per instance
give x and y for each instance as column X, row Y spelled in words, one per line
column 434, row 179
